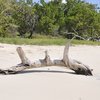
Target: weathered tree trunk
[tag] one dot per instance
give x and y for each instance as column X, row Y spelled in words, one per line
column 74, row 65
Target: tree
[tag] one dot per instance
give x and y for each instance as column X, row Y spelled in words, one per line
column 80, row 16
column 7, row 27
column 51, row 18
column 25, row 17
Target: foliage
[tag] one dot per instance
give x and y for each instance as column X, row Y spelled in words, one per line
column 24, row 18
column 7, row 27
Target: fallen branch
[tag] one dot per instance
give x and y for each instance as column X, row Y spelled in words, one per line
column 74, row 65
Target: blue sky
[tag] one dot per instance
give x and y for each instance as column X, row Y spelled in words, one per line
column 90, row 1
column 93, row 1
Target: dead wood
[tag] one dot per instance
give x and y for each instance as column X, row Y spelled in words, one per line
column 74, row 65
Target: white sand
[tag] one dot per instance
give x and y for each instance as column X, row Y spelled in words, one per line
column 41, row 84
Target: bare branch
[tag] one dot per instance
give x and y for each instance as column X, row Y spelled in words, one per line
column 24, row 59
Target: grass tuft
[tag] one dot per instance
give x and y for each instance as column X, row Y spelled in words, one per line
column 45, row 41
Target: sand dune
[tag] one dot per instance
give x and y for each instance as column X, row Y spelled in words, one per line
column 50, row 83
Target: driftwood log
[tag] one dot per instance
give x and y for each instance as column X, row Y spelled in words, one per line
column 74, row 65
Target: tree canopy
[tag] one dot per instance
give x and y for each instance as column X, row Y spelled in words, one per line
column 24, row 18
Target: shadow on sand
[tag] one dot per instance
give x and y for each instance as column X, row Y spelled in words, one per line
column 44, row 71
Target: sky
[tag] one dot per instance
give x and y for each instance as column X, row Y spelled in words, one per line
column 90, row 1
column 93, row 1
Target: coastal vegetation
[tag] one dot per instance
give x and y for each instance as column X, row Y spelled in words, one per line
column 26, row 20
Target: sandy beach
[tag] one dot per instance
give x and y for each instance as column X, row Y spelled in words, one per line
column 50, row 83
